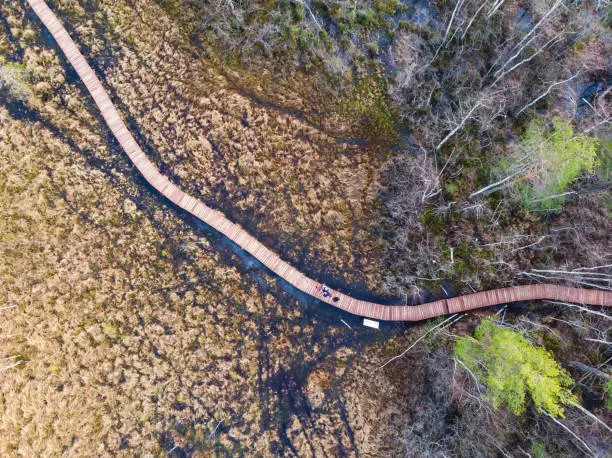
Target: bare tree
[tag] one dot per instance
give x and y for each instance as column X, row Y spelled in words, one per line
column 527, row 40
column 482, row 108
column 412, row 183
column 545, row 93
column 595, row 277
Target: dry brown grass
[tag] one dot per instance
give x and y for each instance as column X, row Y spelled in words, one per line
column 138, row 334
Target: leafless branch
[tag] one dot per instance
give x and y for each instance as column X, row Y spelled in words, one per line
column 545, row 93
column 450, row 320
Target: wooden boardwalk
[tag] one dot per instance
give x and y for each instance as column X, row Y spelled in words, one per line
column 270, row 259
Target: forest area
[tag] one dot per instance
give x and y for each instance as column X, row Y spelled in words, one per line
column 400, row 150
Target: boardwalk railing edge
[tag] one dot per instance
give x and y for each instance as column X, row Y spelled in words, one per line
column 267, row 257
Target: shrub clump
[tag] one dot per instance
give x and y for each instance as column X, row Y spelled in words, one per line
column 556, row 156
column 512, row 367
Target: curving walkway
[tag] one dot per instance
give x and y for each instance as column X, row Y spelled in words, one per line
column 270, row 259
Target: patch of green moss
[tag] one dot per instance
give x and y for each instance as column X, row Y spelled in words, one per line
column 172, row 7
column 538, row 450
column 432, row 221
column 551, row 342
column 452, row 189
column 110, row 330
column 368, row 103
column 373, row 48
